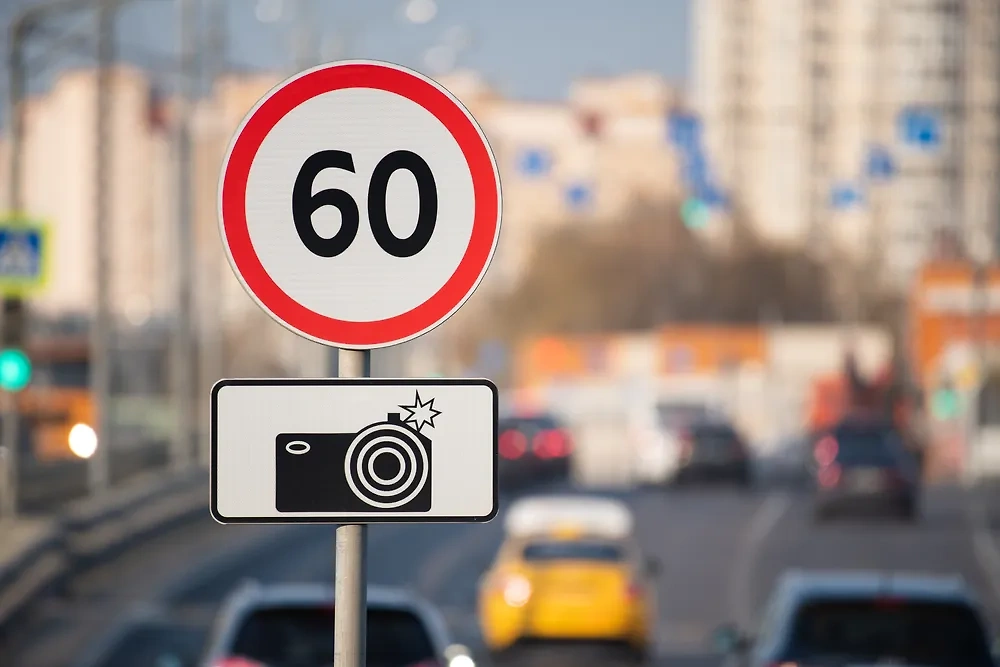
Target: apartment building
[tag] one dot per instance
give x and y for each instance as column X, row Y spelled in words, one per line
column 60, row 151
column 583, row 160
column 808, row 106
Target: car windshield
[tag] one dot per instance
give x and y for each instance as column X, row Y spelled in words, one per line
column 867, row 448
column 713, row 434
column 934, row 634
column 673, row 415
column 541, row 423
column 585, row 551
column 298, row 636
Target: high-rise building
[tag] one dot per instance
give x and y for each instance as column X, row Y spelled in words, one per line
column 60, row 151
column 865, row 126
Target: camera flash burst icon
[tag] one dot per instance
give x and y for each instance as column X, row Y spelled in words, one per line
column 421, row 413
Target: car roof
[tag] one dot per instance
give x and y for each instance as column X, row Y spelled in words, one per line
column 252, row 595
column 262, row 595
column 547, row 417
column 594, row 516
column 817, row 584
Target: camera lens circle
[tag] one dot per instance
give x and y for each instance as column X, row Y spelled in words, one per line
column 401, row 444
column 378, row 478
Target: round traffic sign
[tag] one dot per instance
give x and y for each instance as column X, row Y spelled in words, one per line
column 359, row 204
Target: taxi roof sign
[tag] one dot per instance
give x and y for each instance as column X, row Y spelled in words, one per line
column 582, row 515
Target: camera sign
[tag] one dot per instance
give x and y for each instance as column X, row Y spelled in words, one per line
column 354, row 450
column 359, row 204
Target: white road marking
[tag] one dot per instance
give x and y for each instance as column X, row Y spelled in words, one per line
column 765, row 519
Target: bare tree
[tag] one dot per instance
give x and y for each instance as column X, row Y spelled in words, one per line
column 646, row 270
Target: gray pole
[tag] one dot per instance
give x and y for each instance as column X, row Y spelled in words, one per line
column 306, row 50
column 183, row 344
column 9, row 427
column 215, row 270
column 351, row 593
column 100, row 334
column 304, row 36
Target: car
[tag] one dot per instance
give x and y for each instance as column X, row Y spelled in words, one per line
column 536, row 447
column 837, row 619
column 863, row 468
column 291, row 625
column 654, row 430
column 569, row 570
column 712, row 450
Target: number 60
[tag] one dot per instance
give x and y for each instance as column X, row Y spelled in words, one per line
column 305, row 203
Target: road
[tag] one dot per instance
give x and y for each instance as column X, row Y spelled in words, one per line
column 721, row 550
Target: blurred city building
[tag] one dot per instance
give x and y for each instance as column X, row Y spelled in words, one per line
column 588, row 158
column 869, row 125
column 60, row 151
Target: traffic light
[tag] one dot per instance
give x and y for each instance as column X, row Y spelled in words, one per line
column 694, row 213
column 15, row 369
column 945, row 403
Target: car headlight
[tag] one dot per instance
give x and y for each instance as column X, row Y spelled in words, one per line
column 82, row 440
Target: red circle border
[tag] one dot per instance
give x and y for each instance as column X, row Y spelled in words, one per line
column 453, row 293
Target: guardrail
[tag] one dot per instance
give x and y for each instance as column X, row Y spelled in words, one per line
column 90, row 531
column 46, row 487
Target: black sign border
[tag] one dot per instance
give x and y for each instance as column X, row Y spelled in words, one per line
column 344, row 382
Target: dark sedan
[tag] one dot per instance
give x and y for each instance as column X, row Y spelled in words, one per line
column 712, row 450
column 534, row 448
column 864, row 468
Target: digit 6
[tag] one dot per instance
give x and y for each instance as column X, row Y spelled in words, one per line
column 304, row 204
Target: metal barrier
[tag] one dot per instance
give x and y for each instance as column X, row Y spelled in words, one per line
column 46, row 487
column 95, row 530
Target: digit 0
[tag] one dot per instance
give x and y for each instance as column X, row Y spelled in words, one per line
column 305, row 204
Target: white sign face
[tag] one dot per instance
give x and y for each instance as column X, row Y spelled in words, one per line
column 354, row 451
column 359, row 204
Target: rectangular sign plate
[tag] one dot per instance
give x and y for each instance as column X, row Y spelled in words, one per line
column 366, row 450
column 24, row 251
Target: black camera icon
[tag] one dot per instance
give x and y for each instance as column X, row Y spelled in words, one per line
column 384, row 467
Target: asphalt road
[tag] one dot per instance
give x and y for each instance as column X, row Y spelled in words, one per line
column 721, row 551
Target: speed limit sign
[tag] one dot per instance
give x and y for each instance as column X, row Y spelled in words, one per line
column 359, row 204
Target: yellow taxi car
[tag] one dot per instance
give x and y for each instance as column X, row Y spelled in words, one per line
column 569, row 569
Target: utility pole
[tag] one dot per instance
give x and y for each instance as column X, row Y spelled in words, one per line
column 13, row 322
column 184, row 349
column 306, row 54
column 872, row 246
column 215, row 270
column 304, row 38
column 101, row 331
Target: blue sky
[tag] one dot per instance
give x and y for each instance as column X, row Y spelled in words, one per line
column 526, row 48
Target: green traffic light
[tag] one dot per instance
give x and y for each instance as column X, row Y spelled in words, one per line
column 694, row 212
column 15, row 370
column 945, row 404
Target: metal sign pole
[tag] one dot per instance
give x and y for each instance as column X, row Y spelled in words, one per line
column 351, row 566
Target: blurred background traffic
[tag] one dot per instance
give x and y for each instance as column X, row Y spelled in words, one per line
column 745, row 242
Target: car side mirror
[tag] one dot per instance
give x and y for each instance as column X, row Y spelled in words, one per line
column 728, row 639
column 458, row 655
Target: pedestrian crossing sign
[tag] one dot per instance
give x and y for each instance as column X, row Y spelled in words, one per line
column 24, row 254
